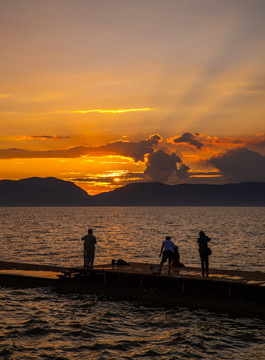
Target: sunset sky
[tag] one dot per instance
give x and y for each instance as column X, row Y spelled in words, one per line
column 108, row 92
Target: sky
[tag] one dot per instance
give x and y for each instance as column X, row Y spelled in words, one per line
column 108, row 92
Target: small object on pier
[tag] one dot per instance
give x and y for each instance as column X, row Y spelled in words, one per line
column 75, row 272
column 155, row 269
column 122, row 262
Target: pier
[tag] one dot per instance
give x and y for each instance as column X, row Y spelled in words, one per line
column 225, row 290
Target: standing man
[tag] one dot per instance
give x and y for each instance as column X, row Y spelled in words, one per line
column 167, row 249
column 89, row 248
column 204, row 252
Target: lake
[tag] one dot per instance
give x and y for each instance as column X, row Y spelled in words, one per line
column 43, row 324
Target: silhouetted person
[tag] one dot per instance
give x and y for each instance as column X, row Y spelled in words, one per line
column 176, row 257
column 167, row 249
column 204, row 252
column 89, row 248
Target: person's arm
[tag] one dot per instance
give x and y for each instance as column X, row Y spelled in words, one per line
column 161, row 249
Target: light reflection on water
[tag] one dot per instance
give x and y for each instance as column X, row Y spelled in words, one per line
column 52, row 235
column 44, row 324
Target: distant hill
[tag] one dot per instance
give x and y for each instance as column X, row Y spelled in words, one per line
column 54, row 192
column 155, row 194
column 41, row 192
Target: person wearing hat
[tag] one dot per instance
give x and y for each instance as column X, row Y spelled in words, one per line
column 167, row 249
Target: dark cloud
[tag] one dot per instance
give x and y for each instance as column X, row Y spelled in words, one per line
column 48, row 137
column 240, row 165
column 134, row 150
column 260, row 143
column 205, row 173
column 13, row 153
column 183, row 172
column 161, row 166
column 43, row 137
column 189, row 139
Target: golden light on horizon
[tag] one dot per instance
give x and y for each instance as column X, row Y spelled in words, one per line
column 206, row 176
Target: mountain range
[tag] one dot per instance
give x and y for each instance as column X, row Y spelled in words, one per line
column 55, row 192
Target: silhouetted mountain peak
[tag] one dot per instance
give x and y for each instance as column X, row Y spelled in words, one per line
column 41, row 191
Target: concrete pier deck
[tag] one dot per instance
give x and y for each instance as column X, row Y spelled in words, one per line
column 236, row 291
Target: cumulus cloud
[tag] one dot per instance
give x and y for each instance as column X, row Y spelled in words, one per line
column 240, row 165
column 134, row 150
column 189, row 139
column 161, row 166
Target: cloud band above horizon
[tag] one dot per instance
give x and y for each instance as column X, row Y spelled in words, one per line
column 105, row 111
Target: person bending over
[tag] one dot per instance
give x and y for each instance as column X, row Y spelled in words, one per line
column 167, row 249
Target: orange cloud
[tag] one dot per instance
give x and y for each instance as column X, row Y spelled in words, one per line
column 40, row 137
column 104, row 111
column 201, row 142
column 223, row 141
column 134, row 150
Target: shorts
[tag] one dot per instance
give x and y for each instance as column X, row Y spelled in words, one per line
column 167, row 254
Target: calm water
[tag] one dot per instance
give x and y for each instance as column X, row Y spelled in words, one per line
column 42, row 324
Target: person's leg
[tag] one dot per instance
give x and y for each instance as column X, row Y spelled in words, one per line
column 164, row 259
column 170, row 258
column 207, row 265
column 86, row 261
column 160, row 265
column 169, row 266
column 202, row 264
column 92, row 257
